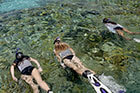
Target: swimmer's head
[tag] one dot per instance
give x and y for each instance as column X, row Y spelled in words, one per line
column 106, row 20
column 19, row 55
column 57, row 40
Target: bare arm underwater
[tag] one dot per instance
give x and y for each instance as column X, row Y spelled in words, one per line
column 12, row 73
column 37, row 63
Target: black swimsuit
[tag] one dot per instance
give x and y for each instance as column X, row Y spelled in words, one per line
column 68, row 57
column 24, row 65
column 118, row 28
column 28, row 70
column 66, row 54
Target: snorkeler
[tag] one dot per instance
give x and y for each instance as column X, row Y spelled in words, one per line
column 28, row 72
column 117, row 28
column 66, row 56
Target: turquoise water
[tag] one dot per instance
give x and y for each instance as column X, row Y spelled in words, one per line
column 9, row 5
column 32, row 25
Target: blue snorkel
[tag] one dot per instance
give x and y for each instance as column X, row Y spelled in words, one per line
column 106, row 20
column 19, row 55
column 56, row 40
column 17, row 50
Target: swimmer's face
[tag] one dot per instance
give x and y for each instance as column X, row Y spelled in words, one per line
column 106, row 20
column 57, row 40
column 19, row 55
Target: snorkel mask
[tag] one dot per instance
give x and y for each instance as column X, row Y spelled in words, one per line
column 106, row 20
column 56, row 40
column 19, row 55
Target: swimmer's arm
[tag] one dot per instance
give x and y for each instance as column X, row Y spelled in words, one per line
column 72, row 51
column 36, row 62
column 58, row 57
column 12, row 72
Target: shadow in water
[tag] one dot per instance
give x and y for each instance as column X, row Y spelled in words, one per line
column 72, row 76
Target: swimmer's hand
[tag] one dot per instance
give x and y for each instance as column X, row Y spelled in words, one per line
column 15, row 79
column 40, row 69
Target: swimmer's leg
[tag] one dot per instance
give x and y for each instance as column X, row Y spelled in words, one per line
column 122, row 34
column 37, row 77
column 132, row 33
column 29, row 80
column 72, row 65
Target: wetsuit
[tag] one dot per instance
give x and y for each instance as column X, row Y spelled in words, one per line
column 24, row 65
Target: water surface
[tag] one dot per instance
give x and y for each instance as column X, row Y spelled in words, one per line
column 32, row 25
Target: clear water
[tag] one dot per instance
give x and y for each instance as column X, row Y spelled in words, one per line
column 34, row 31
column 9, row 5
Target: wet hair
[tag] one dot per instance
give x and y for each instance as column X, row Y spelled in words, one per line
column 19, row 55
column 107, row 20
column 61, row 46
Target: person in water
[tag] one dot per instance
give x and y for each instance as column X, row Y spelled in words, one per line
column 28, row 72
column 66, row 56
column 117, row 28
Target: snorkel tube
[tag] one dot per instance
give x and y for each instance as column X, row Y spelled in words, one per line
column 18, row 55
column 17, row 50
